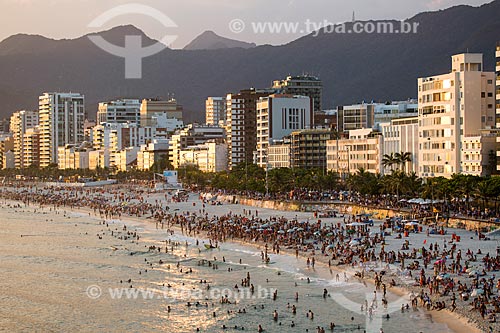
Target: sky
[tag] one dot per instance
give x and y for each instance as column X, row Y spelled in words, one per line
column 183, row 20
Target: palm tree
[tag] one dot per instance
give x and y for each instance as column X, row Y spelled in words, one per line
column 401, row 159
column 388, row 160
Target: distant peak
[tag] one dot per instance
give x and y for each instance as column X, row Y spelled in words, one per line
column 209, row 40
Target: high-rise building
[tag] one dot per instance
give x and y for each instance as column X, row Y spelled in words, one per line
column 303, row 85
column 452, row 107
column 308, row 148
column 121, row 111
column 20, row 122
column 151, row 108
column 61, row 118
column 278, row 115
column 497, row 98
column 215, row 110
column 31, row 147
column 241, row 124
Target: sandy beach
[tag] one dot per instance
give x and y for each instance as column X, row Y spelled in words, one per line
column 454, row 322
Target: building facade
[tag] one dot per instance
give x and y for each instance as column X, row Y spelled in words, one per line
column 371, row 115
column 362, row 150
column 31, row 147
column 478, row 154
column 241, row 125
column 302, row 85
column 121, row 111
column 453, row 106
column 192, row 135
column 308, row 148
column 155, row 107
column 20, row 122
column 497, row 98
column 61, row 120
column 152, row 153
column 278, row 154
column 210, row 156
column 215, row 110
column 401, row 135
column 279, row 115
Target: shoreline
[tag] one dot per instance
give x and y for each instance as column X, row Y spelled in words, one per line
column 454, row 321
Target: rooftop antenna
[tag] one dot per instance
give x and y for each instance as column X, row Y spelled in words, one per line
column 353, row 16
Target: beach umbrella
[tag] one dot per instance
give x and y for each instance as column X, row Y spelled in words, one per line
column 290, row 231
column 356, row 224
column 329, row 234
column 281, row 231
column 300, row 229
column 331, row 246
column 303, row 222
column 317, row 233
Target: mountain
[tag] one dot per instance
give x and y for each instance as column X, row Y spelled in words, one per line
column 209, row 40
column 353, row 67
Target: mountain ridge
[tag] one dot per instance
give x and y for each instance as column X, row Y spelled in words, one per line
column 353, row 67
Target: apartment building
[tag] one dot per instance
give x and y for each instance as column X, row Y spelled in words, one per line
column 453, row 106
column 61, row 121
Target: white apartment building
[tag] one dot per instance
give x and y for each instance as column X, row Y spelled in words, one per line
column 31, row 147
column 20, row 122
column 151, row 153
column 73, row 157
column 125, row 159
column 61, row 121
column 215, row 110
column 279, row 115
column 210, row 156
column 363, row 149
column 115, row 137
column 192, row 135
column 401, row 135
column 121, row 111
column 99, row 159
column 479, row 153
column 453, row 106
column 278, row 154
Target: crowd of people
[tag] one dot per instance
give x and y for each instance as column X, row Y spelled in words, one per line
column 438, row 270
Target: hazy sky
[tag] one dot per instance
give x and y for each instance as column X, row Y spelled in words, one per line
column 70, row 18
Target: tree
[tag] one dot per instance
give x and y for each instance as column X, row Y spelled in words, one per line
column 388, row 160
column 402, row 158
